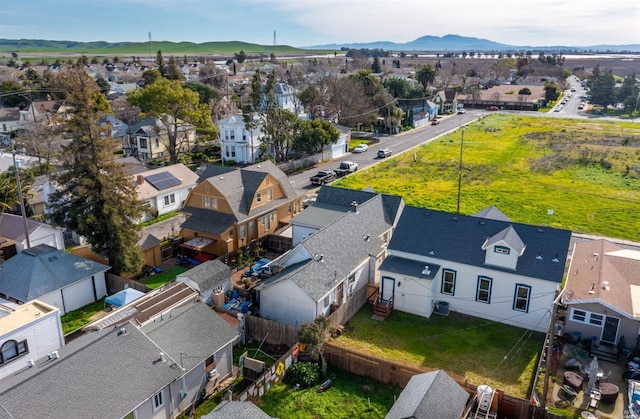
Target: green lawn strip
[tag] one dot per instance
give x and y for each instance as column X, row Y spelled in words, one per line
column 525, row 166
column 351, row 396
column 482, row 351
column 158, row 280
column 75, row 319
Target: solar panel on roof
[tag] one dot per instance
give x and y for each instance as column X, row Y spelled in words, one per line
column 163, row 180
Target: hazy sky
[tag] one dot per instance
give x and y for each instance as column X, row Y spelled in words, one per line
column 314, row 22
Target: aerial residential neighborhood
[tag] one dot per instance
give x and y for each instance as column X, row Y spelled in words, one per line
column 333, row 232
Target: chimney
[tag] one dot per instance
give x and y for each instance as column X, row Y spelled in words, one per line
column 140, row 179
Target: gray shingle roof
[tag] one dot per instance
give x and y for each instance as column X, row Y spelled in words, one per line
column 402, row 266
column 99, row 375
column 344, row 197
column 343, row 247
column 236, row 410
column 208, row 275
column 42, row 269
column 459, row 238
column 430, row 395
column 207, row 221
column 12, row 226
column 194, row 329
column 492, row 213
column 508, row 236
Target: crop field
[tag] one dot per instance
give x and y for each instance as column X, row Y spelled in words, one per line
column 578, row 174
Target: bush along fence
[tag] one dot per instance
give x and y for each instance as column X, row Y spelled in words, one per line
column 271, row 376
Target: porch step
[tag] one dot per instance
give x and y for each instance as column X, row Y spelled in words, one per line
column 605, row 353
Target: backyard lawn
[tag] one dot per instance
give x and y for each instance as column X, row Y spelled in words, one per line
column 482, row 351
column 586, row 172
column 351, row 396
column 158, row 280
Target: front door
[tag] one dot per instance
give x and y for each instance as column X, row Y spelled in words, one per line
column 388, row 288
column 610, row 330
column 340, row 293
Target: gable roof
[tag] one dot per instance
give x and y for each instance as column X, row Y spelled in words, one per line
column 459, row 238
column 508, row 236
column 12, row 226
column 238, row 186
column 194, row 330
column 430, row 395
column 492, row 213
column 207, row 275
column 595, row 261
column 42, row 269
column 73, row 386
column 236, row 410
column 179, row 171
column 341, row 247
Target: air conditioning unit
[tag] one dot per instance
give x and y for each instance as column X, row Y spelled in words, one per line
column 182, row 394
column 212, row 374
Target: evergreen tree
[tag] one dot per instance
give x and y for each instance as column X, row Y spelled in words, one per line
column 96, row 198
column 375, row 67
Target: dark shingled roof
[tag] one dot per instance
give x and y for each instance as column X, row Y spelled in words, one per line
column 42, row 269
column 344, row 197
column 208, row 275
column 207, row 221
column 236, row 410
column 414, row 268
column 430, row 395
column 99, row 375
column 459, row 238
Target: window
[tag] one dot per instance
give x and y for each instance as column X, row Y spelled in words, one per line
column 12, row 349
column 521, row 299
column 596, row 319
column 259, row 197
column 209, row 202
column 448, row 282
column 267, row 221
column 242, row 230
column 326, row 301
column 578, row 315
column 483, row 293
column 252, row 228
column 169, row 199
column 157, row 142
column 502, row 250
column 244, row 135
column 233, row 151
column 143, row 143
column 158, row 400
column 226, row 134
column 233, row 134
column 269, row 195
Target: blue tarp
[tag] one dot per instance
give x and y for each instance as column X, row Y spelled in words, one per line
column 123, row 297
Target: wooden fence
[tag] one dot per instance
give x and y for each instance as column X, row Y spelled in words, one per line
column 348, row 309
column 117, row 283
column 274, row 332
column 271, row 376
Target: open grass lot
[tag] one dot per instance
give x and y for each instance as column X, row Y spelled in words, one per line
column 587, row 172
column 158, row 280
column 351, row 396
column 482, row 351
column 75, row 319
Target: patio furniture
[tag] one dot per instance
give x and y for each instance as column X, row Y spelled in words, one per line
column 573, row 380
column 567, row 393
column 609, row 392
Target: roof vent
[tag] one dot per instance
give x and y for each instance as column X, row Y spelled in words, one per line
column 427, row 213
column 556, row 260
column 539, row 230
column 482, row 222
column 162, row 358
column 431, row 252
column 30, row 363
column 593, row 288
column 122, row 331
column 539, row 257
column 454, row 218
column 54, row 355
column 426, row 270
column 605, row 285
column 366, row 237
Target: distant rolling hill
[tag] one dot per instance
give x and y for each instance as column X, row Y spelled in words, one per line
column 465, row 43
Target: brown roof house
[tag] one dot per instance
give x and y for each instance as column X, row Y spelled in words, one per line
column 230, row 207
column 507, row 96
column 602, row 293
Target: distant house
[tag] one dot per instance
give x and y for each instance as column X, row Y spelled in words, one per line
column 114, row 127
column 149, row 139
column 29, row 331
column 9, row 122
column 230, row 207
column 58, row 278
column 12, row 227
column 327, row 267
column 446, row 100
column 506, row 96
column 602, row 293
column 157, row 370
column 163, row 190
column 482, row 266
column 420, row 111
column 238, row 142
column 430, row 395
column 287, row 98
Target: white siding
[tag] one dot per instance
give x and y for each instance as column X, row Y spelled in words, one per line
column 78, row 295
column 50, row 236
column 286, row 303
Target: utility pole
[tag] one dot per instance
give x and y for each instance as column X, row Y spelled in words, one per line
column 22, row 209
column 460, row 171
column 549, row 348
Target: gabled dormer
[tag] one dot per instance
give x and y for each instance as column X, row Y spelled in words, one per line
column 504, row 249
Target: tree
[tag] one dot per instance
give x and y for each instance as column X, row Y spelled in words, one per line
column 12, row 100
column 627, row 94
column 375, row 67
column 241, row 57
column 313, row 135
column 311, row 99
column 173, row 71
column 96, row 197
column 551, row 91
column 602, row 86
column 314, row 335
column 150, row 76
column 426, row 75
column 162, row 68
column 368, row 81
column 172, row 105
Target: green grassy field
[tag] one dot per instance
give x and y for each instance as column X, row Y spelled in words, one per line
column 587, row 172
column 482, row 351
column 158, row 280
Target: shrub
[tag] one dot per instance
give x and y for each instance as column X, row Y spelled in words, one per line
column 306, row 374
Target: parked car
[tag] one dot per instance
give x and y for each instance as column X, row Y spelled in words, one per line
column 345, row 168
column 384, row 152
column 323, row 177
column 461, row 110
column 360, row 148
column 491, row 108
column 435, row 122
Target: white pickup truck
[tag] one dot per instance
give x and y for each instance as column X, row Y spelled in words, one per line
column 345, row 168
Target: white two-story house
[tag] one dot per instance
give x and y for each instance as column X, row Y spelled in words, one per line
column 238, row 142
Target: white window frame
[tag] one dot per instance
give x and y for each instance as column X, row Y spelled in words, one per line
column 579, row 316
column 503, row 250
column 252, row 228
column 517, row 298
column 169, row 200
column 242, row 230
column 209, row 202
column 158, row 400
column 258, row 197
column 482, row 279
column 269, row 196
column 445, row 282
column 594, row 320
